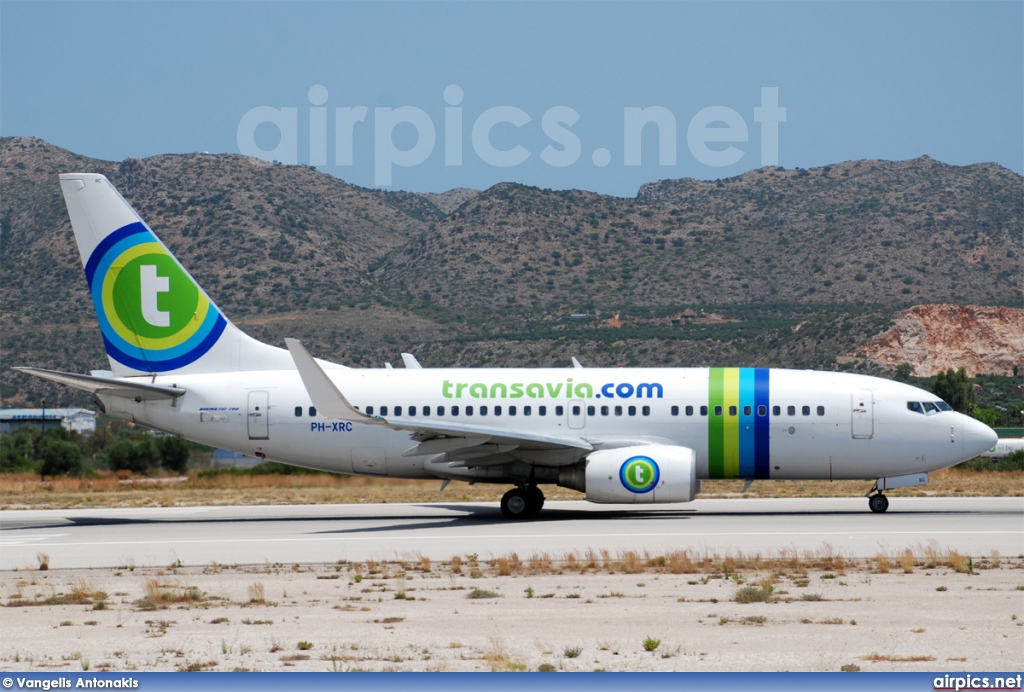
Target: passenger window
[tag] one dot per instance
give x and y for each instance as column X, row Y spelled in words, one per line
column 426, row 410
column 469, row 410
column 369, row 410
column 511, row 410
column 542, row 410
column 791, row 410
column 528, row 410
column 718, row 410
column 762, row 411
column 806, row 410
column 646, row 410
column 497, row 410
column 618, row 410
column 591, row 410
column 455, row 410
column 383, row 410
column 732, row 410
column 776, row 410
column 746, row 410
column 298, row 412
column 631, row 410
column 604, row 410
column 483, row 410
column 412, row 410
column 821, row 410
column 689, row 410
column 576, row 410
column 703, row 410
column 559, row 410
column 440, row 410
column 312, row 411
column 398, row 410
column 675, row 410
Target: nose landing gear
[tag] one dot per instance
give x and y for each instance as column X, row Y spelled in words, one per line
column 878, row 503
column 523, row 502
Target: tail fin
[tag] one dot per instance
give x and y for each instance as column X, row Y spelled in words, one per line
column 153, row 315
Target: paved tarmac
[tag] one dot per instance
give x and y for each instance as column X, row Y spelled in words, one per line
column 327, row 533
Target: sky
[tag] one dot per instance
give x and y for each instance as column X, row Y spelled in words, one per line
column 603, row 96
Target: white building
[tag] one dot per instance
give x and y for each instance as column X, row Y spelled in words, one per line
column 74, row 419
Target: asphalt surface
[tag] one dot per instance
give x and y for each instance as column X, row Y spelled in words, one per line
column 327, row 533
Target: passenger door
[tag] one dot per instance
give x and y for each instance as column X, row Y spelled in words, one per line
column 863, row 421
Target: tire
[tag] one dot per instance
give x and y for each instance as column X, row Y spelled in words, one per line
column 878, row 503
column 515, row 504
column 534, row 499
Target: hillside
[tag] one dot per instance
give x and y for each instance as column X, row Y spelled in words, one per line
column 886, row 233
column 802, row 265
column 933, row 338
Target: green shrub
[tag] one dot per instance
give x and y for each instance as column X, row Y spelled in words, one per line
column 60, row 458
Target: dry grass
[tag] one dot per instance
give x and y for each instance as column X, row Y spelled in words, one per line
column 878, row 658
column 26, row 490
column 160, row 594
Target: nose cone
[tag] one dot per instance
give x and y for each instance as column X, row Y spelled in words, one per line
column 978, row 437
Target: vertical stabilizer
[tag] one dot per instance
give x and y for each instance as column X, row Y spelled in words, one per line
column 153, row 315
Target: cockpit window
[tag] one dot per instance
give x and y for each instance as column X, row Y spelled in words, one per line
column 928, row 408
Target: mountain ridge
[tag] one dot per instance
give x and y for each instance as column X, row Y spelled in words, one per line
column 804, row 265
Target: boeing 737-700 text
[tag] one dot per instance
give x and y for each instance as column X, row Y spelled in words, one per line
column 633, row 435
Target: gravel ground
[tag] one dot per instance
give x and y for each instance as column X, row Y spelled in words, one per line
column 403, row 618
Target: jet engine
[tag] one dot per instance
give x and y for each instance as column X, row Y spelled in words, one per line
column 636, row 475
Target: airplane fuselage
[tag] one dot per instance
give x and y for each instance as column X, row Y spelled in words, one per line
column 741, row 422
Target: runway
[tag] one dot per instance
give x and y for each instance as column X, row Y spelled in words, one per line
column 327, row 533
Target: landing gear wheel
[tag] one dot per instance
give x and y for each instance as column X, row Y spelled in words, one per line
column 878, row 503
column 515, row 504
column 534, row 499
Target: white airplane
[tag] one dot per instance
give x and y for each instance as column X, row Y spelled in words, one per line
column 633, row 436
column 1004, row 447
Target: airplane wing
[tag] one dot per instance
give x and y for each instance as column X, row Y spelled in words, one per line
column 140, row 391
column 458, row 443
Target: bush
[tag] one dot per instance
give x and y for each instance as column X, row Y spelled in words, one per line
column 753, row 594
column 1011, row 462
column 60, row 458
column 174, row 453
column 137, row 456
column 16, row 451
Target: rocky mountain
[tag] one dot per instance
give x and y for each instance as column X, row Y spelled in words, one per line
column 933, row 338
column 876, row 232
column 802, row 265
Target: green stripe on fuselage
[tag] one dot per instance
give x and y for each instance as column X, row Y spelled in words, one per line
column 723, row 429
column 716, row 452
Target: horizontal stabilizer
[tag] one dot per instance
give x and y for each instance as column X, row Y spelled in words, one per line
column 113, row 386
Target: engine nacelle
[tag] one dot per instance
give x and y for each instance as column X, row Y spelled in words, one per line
column 642, row 475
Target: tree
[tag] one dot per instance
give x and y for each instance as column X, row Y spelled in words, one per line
column 953, row 387
column 903, row 372
column 137, row 456
column 60, row 457
column 16, row 451
column 174, row 453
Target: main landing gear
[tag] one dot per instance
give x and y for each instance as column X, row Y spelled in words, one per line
column 523, row 502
